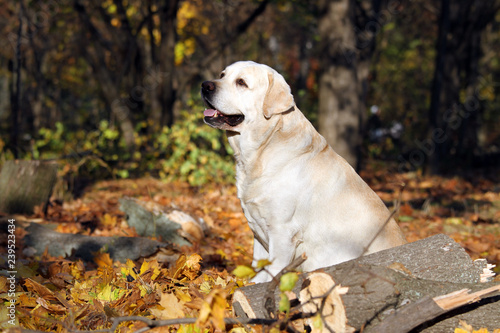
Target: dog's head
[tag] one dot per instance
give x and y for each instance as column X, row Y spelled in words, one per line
column 245, row 93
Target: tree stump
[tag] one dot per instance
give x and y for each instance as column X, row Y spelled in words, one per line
column 413, row 284
column 26, row 184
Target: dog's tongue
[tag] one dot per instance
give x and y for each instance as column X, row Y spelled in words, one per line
column 209, row 112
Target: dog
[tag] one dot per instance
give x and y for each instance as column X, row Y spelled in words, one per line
column 298, row 195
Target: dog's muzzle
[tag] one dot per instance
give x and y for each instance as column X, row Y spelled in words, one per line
column 214, row 117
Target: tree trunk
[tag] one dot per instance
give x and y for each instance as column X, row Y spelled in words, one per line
column 168, row 16
column 16, row 94
column 453, row 120
column 117, row 105
column 338, row 94
column 25, row 184
column 109, row 79
column 348, row 30
column 438, row 151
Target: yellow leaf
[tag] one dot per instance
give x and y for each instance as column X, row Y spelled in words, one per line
column 108, row 220
column 461, row 330
column 284, row 304
column 204, row 314
column 145, row 289
column 238, row 330
column 318, row 322
column 263, row 263
column 144, row 267
column 156, row 273
column 220, row 282
column 288, row 280
column 105, row 294
column 110, row 294
column 213, row 309
column 242, row 272
column 185, row 297
column 131, row 268
column 218, row 309
column 130, row 264
column 169, row 307
column 77, row 269
column 205, row 287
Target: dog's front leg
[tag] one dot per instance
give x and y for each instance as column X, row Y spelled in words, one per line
column 281, row 253
column 259, row 251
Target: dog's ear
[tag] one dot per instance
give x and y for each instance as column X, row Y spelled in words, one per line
column 278, row 98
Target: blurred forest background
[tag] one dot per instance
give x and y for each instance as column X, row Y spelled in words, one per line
column 112, row 87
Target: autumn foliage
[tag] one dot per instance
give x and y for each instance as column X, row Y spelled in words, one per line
column 67, row 294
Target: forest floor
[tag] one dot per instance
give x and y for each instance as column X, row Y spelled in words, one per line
column 67, row 294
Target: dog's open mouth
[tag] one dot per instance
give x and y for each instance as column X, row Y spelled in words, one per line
column 216, row 118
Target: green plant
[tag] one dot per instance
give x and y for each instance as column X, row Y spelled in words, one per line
column 198, row 153
column 188, row 151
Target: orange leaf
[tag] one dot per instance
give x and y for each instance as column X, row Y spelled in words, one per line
column 51, row 307
column 476, row 246
column 406, row 210
column 103, row 260
column 37, row 288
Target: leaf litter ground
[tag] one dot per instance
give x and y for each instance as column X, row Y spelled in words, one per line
column 65, row 294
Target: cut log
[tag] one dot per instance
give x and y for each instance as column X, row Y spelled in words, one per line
column 389, row 281
column 26, row 184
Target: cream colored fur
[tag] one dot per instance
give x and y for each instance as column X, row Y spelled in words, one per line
column 298, row 195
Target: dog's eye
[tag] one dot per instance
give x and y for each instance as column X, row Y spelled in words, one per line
column 222, row 75
column 242, row 83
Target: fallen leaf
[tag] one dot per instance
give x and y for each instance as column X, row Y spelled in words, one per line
column 42, row 291
column 169, row 307
column 103, row 260
column 476, row 246
column 213, row 309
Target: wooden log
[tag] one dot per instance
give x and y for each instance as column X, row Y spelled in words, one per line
column 427, row 309
column 382, row 283
column 41, row 238
column 173, row 226
column 26, row 184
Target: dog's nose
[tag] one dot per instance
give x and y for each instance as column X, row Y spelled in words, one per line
column 208, row 86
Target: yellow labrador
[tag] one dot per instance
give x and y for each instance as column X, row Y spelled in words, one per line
column 298, row 195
